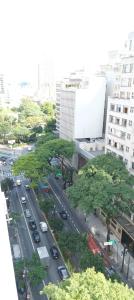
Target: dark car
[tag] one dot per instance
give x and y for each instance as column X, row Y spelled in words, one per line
column 21, row 287
column 36, row 236
column 27, row 187
column 32, row 225
column 63, row 215
column 54, row 252
column 110, row 271
column 63, row 272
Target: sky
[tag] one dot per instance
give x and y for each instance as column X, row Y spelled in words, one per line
column 68, row 34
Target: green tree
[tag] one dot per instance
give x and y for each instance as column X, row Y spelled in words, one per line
column 48, row 109
column 102, row 186
column 46, row 205
column 69, row 242
column 88, row 285
column 29, row 108
column 36, row 272
column 21, row 132
column 56, row 224
column 7, row 184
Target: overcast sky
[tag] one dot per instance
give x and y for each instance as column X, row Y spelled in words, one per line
column 68, row 33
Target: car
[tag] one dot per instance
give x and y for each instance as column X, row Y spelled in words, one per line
column 36, row 236
column 28, row 214
column 43, row 226
column 32, row 225
column 23, row 200
column 54, row 252
column 63, row 273
column 29, row 148
column 27, row 187
column 21, row 287
column 63, row 214
column 18, row 182
column 110, row 271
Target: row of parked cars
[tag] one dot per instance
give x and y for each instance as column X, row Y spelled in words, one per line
column 62, row 271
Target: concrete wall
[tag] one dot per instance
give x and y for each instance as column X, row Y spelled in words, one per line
column 89, row 109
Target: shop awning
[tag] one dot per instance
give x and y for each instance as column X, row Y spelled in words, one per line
column 92, row 245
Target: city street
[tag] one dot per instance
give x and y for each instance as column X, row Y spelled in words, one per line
column 25, row 239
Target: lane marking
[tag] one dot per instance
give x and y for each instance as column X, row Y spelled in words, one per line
column 63, row 207
column 26, row 223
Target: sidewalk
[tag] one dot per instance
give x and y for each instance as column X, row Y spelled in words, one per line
column 95, row 225
column 99, row 230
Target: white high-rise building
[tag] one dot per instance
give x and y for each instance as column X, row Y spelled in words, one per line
column 80, row 106
column 120, row 112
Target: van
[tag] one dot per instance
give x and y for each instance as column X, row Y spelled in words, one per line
column 16, row 252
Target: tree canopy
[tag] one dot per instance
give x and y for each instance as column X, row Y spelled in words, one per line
column 88, row 285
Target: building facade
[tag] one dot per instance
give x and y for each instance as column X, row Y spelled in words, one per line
column 80, row 106
column 120, row 111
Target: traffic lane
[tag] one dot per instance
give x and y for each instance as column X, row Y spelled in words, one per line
column 59, row 197
column 26, row 244
column 46, row 240
column 28, row 247
column 59, row 207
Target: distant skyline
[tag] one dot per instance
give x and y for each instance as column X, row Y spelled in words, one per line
column 70, row 34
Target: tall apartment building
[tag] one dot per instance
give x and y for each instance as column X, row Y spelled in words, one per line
column 80, row 106
column 120, row 112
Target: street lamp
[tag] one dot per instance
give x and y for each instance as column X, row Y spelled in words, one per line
column 125, row 250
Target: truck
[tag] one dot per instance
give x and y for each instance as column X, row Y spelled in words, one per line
column 16, row 252
column 44, row 256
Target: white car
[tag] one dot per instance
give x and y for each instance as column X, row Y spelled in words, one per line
column 18, row 182
column 23, row 200
column 43, row 226
column 28, row 214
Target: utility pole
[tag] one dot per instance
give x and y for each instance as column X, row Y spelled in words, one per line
column 123, row 259
column 128, row 267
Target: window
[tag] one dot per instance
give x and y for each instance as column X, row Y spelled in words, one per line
column 130, row 45
column 121, row 147
column 115, row 144
column 117, row 121
column 118, row 108
column 130, row 123
column 109, row 142
column 129, row 82
column 132, row 165
column 125, row 110
column 128, row 95
column 112, row 107
column 132, row 109
column 127, row 149
column 132, row 95
column 122, row 95
column 131, row 68
column 110, row 119
column 126, row 161
column 124, row 122
column 128, row 136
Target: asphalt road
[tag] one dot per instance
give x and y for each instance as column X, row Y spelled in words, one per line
column 26, row 242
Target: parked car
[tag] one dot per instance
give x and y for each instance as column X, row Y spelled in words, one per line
column 23, row 200
column 36, row 236
column 18, row 182
column 21, row 287
column 63, row 214
column 110, row 271
column 43, row 226
column 32, row 225
column 54, row 252
column 63, row 272
column 27, row 187
column 27, row 212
